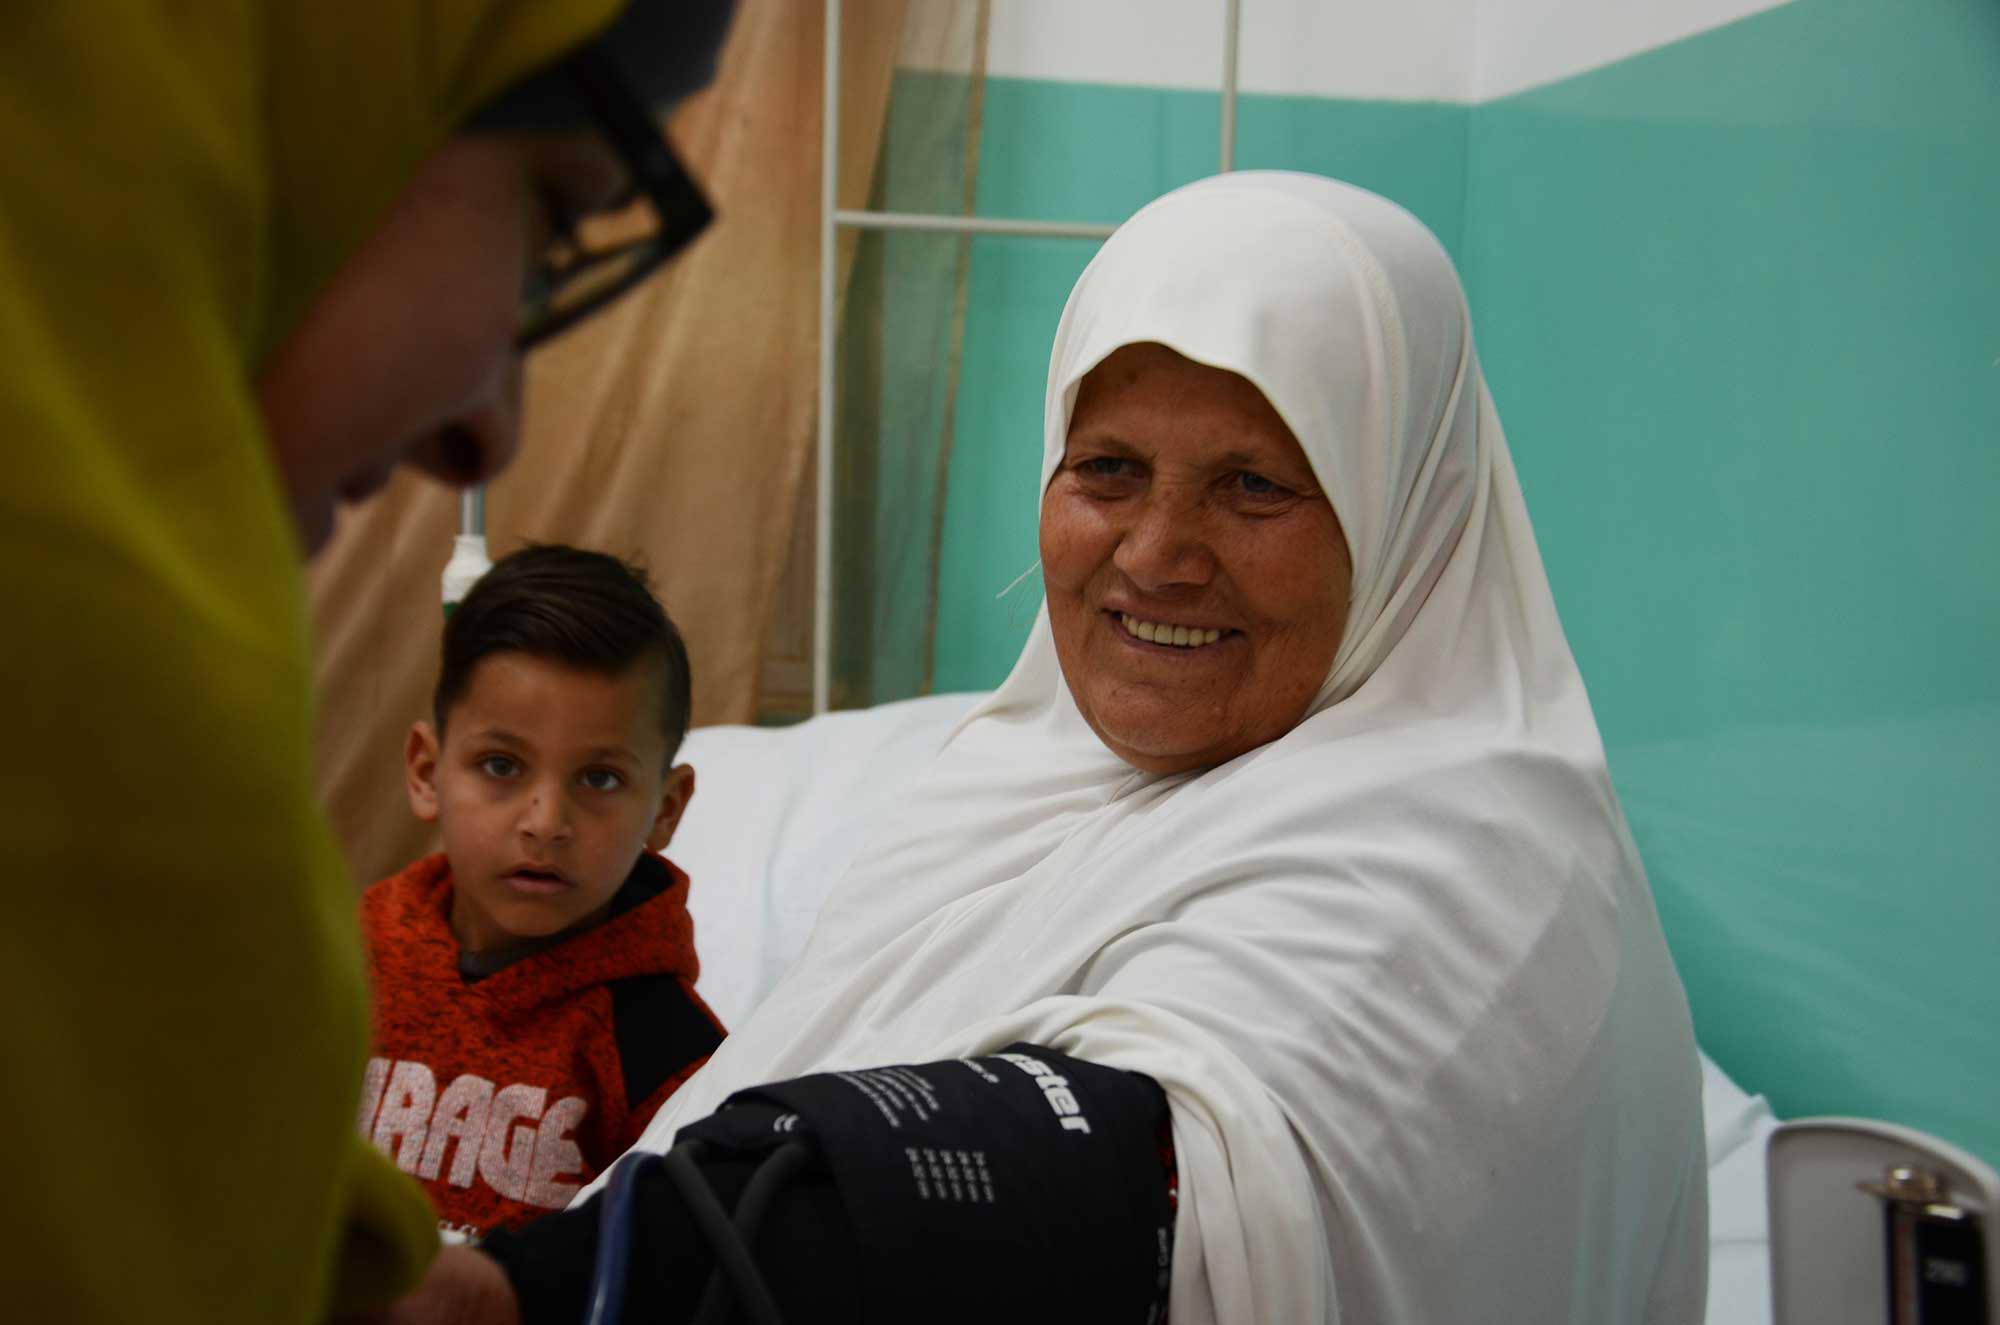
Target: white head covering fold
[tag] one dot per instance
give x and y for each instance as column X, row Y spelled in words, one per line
column 1398, row 970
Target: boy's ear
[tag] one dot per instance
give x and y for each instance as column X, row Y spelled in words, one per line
column 420, row 765
column 675, row 793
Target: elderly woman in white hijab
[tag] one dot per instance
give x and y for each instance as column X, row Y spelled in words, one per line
column 1293, row 805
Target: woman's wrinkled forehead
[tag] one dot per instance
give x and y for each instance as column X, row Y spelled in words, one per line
column 1242, row 281
column 1318, row 293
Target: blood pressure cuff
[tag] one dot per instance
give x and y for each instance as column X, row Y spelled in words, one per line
column 1021, row 1186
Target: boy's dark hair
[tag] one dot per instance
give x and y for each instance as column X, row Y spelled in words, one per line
column 566, row 605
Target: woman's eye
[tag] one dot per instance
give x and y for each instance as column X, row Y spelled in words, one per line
column 602, row 779
column 1258, row 487
column 1106, row 467
column 499, row 766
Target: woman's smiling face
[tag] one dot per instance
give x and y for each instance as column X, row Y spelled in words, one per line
column 1197, row 577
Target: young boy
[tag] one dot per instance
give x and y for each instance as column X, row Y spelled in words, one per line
column 534, row 982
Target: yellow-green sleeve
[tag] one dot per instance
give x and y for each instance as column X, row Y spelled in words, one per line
column 385, row 1227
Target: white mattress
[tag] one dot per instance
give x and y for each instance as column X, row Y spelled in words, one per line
column 778, row 813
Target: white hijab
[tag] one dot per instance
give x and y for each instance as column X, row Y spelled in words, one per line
column 1398, row 970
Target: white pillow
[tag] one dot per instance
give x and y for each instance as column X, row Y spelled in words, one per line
column 777, row 814
column 1739, row 1258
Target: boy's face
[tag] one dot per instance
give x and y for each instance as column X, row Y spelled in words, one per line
column 548, row 784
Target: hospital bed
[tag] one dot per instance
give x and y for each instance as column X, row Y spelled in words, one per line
column 779, row 812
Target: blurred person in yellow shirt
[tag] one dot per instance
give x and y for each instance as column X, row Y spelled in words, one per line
column 253, row 256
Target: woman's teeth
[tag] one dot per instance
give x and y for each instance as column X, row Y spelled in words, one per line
column 1156, row 632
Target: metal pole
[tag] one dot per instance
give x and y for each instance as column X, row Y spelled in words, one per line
column 472, row 512
column 829, row 200
column 1231, row 22
column 468, row 551
column 971, row 225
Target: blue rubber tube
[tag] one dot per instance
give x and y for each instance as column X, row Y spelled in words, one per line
column 729, row 1240
column 614, row 1240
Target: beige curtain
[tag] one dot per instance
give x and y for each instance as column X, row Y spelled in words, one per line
column 676, row 429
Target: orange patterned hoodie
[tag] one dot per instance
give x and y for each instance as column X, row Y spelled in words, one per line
column 504, row 1094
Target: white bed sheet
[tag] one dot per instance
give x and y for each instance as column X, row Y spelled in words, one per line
column 778, row 813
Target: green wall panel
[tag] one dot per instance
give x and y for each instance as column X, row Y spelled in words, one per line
column 1739, row 300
